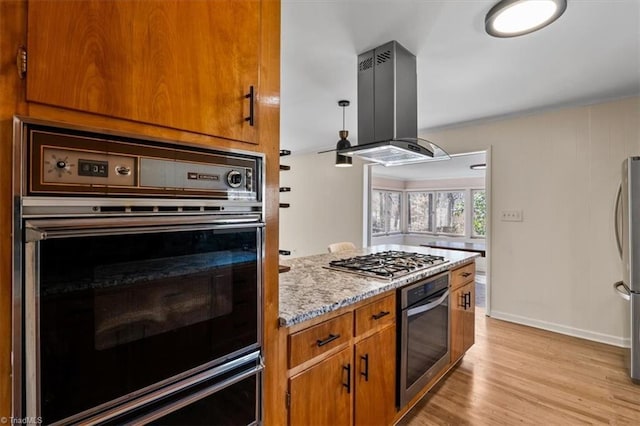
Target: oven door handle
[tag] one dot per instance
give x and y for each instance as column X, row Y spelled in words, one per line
column 427, row 307
column 36, row 230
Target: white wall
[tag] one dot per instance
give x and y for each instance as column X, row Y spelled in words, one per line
column 326, row 204
column 555, row 269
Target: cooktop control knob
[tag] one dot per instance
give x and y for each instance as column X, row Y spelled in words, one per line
column 61, row 164
column 234, row 178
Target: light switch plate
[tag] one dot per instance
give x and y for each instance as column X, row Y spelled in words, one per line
column 511, row 216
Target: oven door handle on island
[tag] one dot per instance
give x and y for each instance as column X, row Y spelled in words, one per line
column 431, row 303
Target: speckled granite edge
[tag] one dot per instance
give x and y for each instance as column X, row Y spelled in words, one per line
column 310, row 289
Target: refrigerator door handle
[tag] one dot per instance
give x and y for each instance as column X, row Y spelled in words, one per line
column 625, row 294
column 617, row 221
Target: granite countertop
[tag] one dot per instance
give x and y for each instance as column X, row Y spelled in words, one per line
column 309, row 289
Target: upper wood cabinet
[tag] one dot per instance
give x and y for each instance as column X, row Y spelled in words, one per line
column 187, row 65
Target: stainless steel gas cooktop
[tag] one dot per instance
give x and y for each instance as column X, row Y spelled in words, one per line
column 387, row 264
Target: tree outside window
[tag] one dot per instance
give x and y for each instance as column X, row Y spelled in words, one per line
column 385, row 212
column 479, row 200
column 449, row 212
column 420, row 217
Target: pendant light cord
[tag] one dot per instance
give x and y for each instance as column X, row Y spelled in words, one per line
column 343, row 117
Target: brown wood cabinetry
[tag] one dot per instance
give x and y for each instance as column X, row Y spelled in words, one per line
column 462, row 310
column 186, row 65
column 375, row 365
column 313, row 341
column 321, row 395
column 360, row 374
column 168, row 69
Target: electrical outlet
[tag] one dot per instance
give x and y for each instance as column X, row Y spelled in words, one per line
column 511, row 216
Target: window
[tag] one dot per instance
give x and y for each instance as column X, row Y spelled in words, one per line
column 385, row 212
column 478, row 197
column 449, row 212
column 420, row 217
column 453, row 213
column 440, row 212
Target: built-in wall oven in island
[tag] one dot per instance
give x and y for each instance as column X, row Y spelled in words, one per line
column 423, row 334
column 137, row 281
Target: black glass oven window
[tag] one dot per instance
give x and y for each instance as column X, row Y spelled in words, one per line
column 427, row 340
column 120, row 313
column 225, row 400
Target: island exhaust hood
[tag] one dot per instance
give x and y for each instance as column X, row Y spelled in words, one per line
column 388, row 109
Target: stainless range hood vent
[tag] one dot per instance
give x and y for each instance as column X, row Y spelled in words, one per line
column 388, row 109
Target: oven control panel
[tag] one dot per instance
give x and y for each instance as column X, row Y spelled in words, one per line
column 69, row 167
column 84, row 163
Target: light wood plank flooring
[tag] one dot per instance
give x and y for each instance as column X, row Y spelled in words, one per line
column 521, row 375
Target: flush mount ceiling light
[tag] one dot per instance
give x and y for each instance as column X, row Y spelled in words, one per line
column 510, row 18
column 481, row 166
column 343, row 143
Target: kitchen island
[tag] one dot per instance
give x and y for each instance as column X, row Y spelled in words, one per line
column 310, row 289
column 343, row 334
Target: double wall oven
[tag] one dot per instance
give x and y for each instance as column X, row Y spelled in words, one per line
column 137, row 279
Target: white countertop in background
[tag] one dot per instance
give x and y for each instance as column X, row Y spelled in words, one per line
column 309, row 289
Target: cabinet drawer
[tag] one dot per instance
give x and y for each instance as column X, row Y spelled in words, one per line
column 463, row 275
column 376, row 315
column 307, row 344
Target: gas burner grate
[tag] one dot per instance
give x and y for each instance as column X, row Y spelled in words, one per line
column 387, row 264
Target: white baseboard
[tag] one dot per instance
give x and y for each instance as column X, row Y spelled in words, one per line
column 563, row 329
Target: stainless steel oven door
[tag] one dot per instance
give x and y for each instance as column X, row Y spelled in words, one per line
column 124, row 306
column 424, row 343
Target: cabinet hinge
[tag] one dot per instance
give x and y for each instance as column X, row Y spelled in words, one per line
column 21, row 62
column 288, row 399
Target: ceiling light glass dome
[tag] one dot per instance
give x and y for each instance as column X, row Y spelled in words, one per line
column 510, row 18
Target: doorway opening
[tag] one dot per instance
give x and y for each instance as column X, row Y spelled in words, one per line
column 440, row 203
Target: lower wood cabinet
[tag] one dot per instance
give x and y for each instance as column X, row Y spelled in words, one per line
column 462, row 318
column 354, row 385
column 322, row 394
column 375, row 361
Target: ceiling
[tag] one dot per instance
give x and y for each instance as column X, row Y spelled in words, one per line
column 590, row 54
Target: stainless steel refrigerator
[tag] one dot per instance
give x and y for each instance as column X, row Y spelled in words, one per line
column 628, row 239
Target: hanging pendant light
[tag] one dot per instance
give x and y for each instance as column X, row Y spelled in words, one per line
column 343, row 160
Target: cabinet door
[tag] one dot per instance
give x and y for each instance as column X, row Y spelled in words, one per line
column 462, row 320
column 322, row 395
column 181, row 64
column 375, row 378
